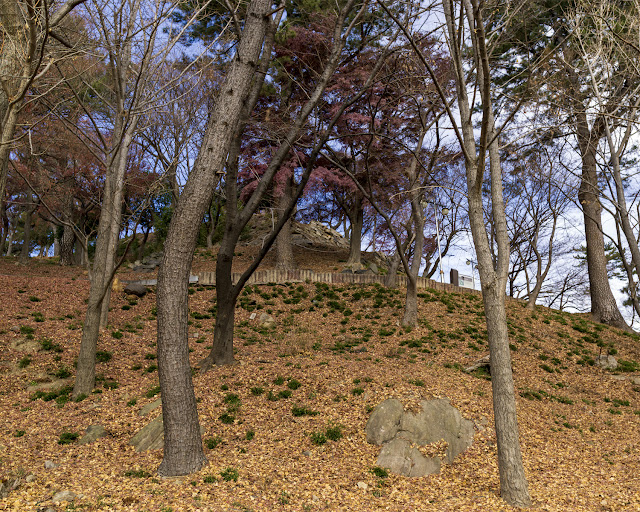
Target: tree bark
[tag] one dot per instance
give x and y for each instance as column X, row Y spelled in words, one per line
column 356, row 218
column 284, row 242
column 183, row 453
column 67, row 243
column 604, row 308
column 26, row 241
column 513, row 482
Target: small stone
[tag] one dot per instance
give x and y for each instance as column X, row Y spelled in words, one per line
column 306, row 453
column 607, row 362
column 49, row 464
column 363, row 486
column 93, row 433
column 14, row 328
column 30, row 478
column 63, row 496
column 266, row 320
column 252, row 316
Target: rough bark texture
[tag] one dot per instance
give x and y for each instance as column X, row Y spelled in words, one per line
column 67, row 243
column 284, row 242
column 26, row 241
column 603, row 304
column 356, row 217
column 513, row 482
column 183, row 453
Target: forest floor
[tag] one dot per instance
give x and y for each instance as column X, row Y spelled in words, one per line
column 331, row 362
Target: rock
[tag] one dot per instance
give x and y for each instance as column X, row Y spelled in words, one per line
column 607, row 362
column 30, row 478
column 403, row 459
column 398, row 432
column 635, row 380
column 266, row 321
column 14, row 328
column 146, row 409
column 362, row 485
column 384, row 421
column 347, row 271
column 483, row 362
column 137, row 289
column 149, row 437
column 49, row 464
column 374, row 268
column 438, row 420
column 93, row 433
column 364, row 271
column 63, row 496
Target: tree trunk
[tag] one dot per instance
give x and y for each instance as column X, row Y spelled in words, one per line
column 356, row 218
column 67, row 243
column 284, row 243
column 604, row 308
column 493, row 272
column 26, row 242
column 391, row 279
column 183, row 452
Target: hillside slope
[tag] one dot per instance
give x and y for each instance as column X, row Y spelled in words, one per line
column 334, row 353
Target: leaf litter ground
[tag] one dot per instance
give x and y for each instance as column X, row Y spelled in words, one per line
column 334, row 354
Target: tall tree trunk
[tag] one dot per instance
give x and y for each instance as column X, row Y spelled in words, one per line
column 26, row 241
column 67, row 243
column 603, row 304
column 103, row 265
column 356, row 219
column 493, row 273
column 284, row 243
column 183, row 453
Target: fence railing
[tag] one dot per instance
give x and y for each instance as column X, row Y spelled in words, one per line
column 300, row 276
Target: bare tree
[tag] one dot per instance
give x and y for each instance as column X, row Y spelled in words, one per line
column 465, row 23
column 128, row 36
column 26, row 29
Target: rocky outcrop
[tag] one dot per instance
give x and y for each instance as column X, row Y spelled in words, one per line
column 401, row 433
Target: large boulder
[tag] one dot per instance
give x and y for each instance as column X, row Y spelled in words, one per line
column 384, row 421
column 402, row 458
column 137, row 289
column 399, row 432
column 266, row 321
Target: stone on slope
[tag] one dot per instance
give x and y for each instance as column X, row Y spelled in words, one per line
column 93, row 433
column 384, row 421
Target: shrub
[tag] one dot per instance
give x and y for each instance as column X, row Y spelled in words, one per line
column 103, row 356
column 68, row 437
column 229, row 474
column 213, row 442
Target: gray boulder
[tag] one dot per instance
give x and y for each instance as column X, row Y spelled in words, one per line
column 137, row 289
column 93, row 433
column 384, row 421
column 401, row 458
column 438, row 420
column 607, row 362
column 149, row 437
column 146, row 409
column 399, row 433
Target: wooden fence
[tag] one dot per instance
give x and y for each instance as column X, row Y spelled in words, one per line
column 300, row 276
